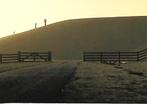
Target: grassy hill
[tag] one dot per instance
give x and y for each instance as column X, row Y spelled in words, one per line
column 68, row 39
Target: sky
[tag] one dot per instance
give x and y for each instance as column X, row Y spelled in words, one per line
column 21, row 15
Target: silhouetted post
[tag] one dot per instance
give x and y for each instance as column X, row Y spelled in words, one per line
column 19, row 56
column 35, row 25
column 49, row 56
column 1, row 58
column 45, row 22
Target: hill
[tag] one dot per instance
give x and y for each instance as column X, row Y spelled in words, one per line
column 67, row 39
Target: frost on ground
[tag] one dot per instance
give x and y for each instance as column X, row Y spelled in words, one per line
column 100, row 83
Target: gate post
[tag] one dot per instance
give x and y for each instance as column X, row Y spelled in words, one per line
column 19, row 56
column 137, row 56
column 1, row 60
column 49, row 56
column 101, row 57
column 84, row 56
column 34, row 57
column 119, row 60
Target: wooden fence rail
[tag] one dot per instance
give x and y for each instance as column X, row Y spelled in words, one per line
column 25, row 57
column 115, row 56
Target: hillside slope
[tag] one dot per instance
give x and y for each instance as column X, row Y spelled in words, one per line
column 68, row 39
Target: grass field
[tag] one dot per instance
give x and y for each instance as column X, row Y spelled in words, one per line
column 100, row 83
column 34, row 82
column 73, row 82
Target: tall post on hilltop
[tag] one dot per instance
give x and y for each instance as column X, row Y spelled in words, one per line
column 35, row 25
column 14, row 32
column 45, row 22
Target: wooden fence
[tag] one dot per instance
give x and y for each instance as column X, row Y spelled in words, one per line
column 115, row 56
column 25, row 57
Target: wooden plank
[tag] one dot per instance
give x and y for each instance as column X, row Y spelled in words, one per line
column 35, row 61
column 128, row 52
column 10, row 62
column 91, row 60
column 92, row 54
column 140, row 55
column 111, row 57
column 34, row 53
column 144, row 50
column 142, row 58
column 110, row 54
column 8, row 59
column 9, row 54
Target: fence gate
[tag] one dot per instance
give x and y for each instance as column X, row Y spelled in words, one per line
column 25, row 57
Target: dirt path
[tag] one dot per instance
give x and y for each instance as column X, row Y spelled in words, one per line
column 36, row 83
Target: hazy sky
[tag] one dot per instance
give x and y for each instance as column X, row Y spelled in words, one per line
column 20, row 15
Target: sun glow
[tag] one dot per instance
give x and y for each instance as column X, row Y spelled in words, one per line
column 20, row 15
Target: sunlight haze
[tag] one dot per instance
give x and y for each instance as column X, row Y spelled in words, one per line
column 21, row 15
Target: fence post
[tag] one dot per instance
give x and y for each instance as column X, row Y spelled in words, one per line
column 119, row 60
column 137, row 56
column 19, row 56
column 101, row 57
column 49, row 56
column 1, row 59
column 84, row 56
